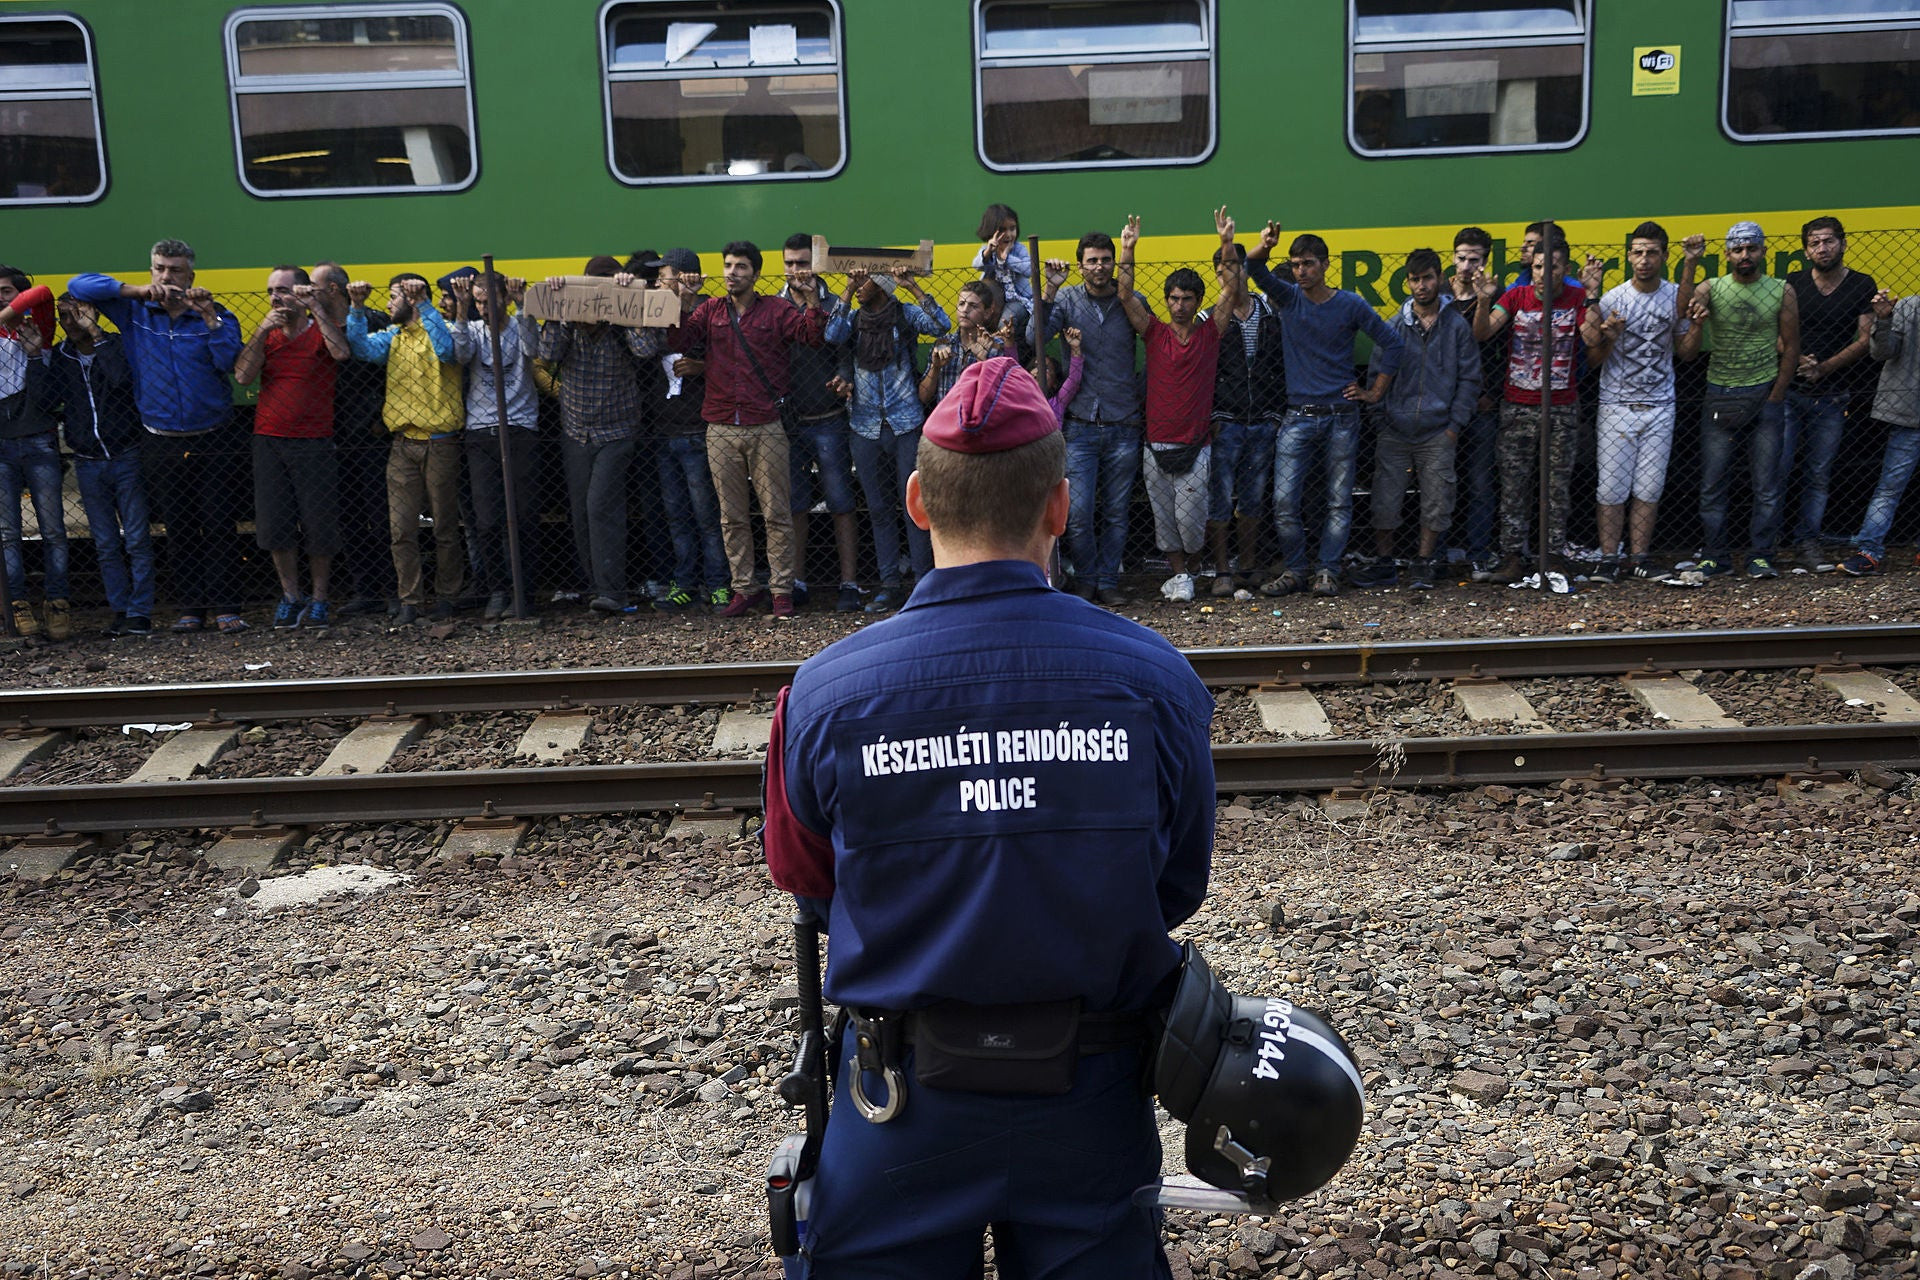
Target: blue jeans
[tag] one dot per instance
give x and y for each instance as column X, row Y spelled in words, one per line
column 1727, row 416
column 31, row 465
column 1242, row 476
column 1896, row 468
column 1820, row 418
column 1102, row 461
column 824, row 443
column 883, row 466
column 693, row 512
column 1480, row 482
column 1336, row 438
column 116, row 501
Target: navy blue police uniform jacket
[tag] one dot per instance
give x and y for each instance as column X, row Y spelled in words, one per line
column 1001, row 794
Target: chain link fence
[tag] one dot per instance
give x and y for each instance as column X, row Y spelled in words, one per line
column 380, row 484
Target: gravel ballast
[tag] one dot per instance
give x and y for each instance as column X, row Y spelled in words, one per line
column 1660, row 1031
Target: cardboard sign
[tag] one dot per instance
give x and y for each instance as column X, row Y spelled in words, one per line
column 841, row 259
column 591, row 299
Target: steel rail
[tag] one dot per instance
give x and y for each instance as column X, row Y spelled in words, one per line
column 469, row 692
column 735, row 784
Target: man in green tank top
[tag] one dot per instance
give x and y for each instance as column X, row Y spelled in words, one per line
column 1752, row 324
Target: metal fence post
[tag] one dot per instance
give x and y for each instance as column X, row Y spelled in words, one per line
column 496, row 318
column 1546, row 291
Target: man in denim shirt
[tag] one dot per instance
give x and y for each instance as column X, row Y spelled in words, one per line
column 817, row 432
column 1103, row 419
column 884, row 411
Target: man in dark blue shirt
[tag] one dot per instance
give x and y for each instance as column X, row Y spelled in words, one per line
column 999, row 802
column 1318, row 324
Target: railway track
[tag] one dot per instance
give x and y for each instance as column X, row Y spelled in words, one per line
column 1302, row 755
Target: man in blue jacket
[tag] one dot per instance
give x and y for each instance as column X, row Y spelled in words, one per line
column 1428, row 407
column 999, row 802
column 182, row 345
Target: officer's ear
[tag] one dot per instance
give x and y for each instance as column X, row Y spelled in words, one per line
column 1055, row 511
column 917, row 504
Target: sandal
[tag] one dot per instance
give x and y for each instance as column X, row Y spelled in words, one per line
column 188, row 622
column 231, row 623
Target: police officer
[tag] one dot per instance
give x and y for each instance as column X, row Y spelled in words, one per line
column 997, row 802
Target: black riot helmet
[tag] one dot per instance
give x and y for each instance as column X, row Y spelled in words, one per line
column 1269, row 1092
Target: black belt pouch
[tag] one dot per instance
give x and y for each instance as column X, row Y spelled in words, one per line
column 1000, row 1048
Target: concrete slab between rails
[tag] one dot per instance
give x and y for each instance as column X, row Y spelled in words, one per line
column 253, row 849
column 371, row 746
column 186, row 753
column 707, row 824
column 38, row 859
column 553, row 734
column 1889, row 701
column 742, row 732
column 1495, row 700
column 1291, row 713
column 1677, row 703
column 17, row 753
column 483, row 838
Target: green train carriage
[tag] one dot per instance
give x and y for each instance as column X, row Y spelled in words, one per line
column 421, row 133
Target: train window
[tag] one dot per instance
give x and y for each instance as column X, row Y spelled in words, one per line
column 1428, row 77
column 1108, row 83
column 50, row 149
column 332, row 99
column 721, row 92
column 1821, row 69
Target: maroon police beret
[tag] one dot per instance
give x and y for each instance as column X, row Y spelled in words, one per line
column 994, row 406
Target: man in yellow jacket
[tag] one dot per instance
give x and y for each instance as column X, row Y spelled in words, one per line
column 425, row 412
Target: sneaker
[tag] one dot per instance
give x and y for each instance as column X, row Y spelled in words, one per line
column 59, row 620
column 1481, row 568
column 1284, row 583
column 1708, row 567
column 564, row 596
column 1371, row 572
column 497, row 606
column 1327, row 583
column 1112, row 597
column 1606, row 569
column 607, row 604
column 719, row 598
column 1222, row 588
column 1813, row 556
column 1860, row 565
column 781, row 606
column 1647, row 569
column 286, row 614
column 742, row 603
column 851, row 598
column 405, row 616
column 116, row 628
column 1761, row 567
column 136, row 625
column 677, row 599
column 318, row 616
column 800, row 596
column 885, row 599
column 1178, row 588
column 1423, row 575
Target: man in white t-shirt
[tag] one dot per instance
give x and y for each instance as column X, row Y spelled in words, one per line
column 1630, row 336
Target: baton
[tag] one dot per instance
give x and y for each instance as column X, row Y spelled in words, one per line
column 806, row 1085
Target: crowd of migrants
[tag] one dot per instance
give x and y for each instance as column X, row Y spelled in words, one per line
column 757, row 409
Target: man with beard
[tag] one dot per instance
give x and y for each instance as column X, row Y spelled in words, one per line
column 1754, row 321
column 296, row 479
column 1836, row 305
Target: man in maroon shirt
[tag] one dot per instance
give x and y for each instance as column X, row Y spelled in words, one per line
column 1182, row 359
column 296, row 478
column 744, row 339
